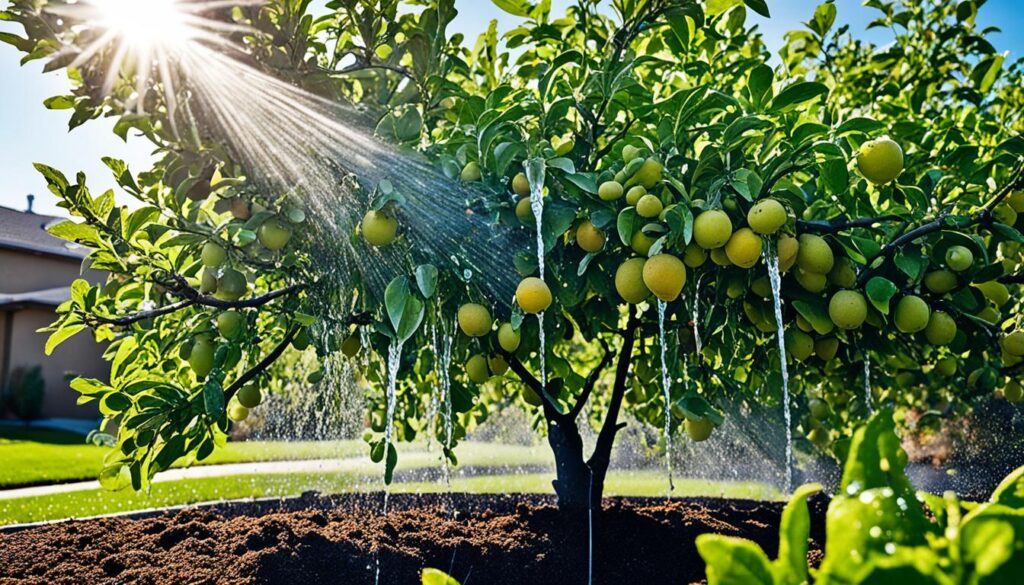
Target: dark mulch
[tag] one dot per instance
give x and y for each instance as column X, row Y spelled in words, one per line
column 488, row 539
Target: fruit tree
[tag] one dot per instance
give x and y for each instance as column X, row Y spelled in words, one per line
column 673, row 161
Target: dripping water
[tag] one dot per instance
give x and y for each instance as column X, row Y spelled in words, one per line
column 667, row 389
column 772, row 259
column 535, row 176
column 868, row 398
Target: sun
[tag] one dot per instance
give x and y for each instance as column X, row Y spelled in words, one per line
column 144, row 24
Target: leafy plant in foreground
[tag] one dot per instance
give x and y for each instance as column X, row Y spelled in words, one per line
column 878, row 530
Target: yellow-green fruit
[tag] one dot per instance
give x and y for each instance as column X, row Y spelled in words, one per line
column 477, row 369
column 208, row 282
column 471, row 172
column 564, row 148
column 848, row 309
column 649, row 174
column 843, row 274
column 815, row 255
column 946, row 366
column 629, row 281
column 524, row 211
column 610, row 191
column 959, row 258
column 818, row 408
column 767, row 216
column 989, row 314
column 995, row 291
column 474, row 320
column 664, row 275
column 498, row 365
column 1016, row 201
column 274, row 234
column 351, row 346
column 531, row 397
column 1013, row 391
column 641, row 243
column 719, row 257
column 712, row 229
column 912, row 314
column 508, row 338
column 589, row 238
column 200, row 358
column 230, row 324
column 694, row 256
column 880, row 161
column 533, row 295
column 735, row 289
column 941, row 329
column 744, row 248
column 1005, row 214
column 521, row 185
column 231, row 285
column 649, row 206
column 1013, row 343
column 826, row 348
column 237, row 412
column 762, row 287
column 250, row 396
column 699, row 430
column 811, row 281
column 788, row 249
column 940, row 282
column 213, row 255
column 634, row 195
column 803, row 324
column 630, row 152
column 379, row 228
column 799, row 345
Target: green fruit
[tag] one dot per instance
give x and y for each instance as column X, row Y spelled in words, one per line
column 811, row 282
column 296, row 215
column 379, row 228
column 497, row 365
column 699, row 430
column 695, row 256
column 201, row 357
column 471, row 173
column 231, row 285
column 720, row 258
column 880, row 161
column 818, row 408
column 237, row 412
column 230, row 324
column 274, row 234
column 649, row 206
column 664, row 275
column 788, row 249
column 995, row 291
column 826, row 348
column 744, row 248
column 509, row 338
column 208, row 282
column 736, row 289
column 762, row 287
column 1016, row 201
column 1013, row 392
column 474, row 320
column 250, row 396
column 941, row 329
column 843, row 274
column 848, row 309
column 610, row 191
column 649, row 174
column 477, row 369
column 634, row 195
column 912, row 314
column 521, row 185
column 533, row 296
column 989, row 314
column 565, row 148
column 940, row 282
column 1013, row 343
column 712, row 229
column 1005, row 214
column 524, row 211
column 767, row 216
column 629, row 281
column 946, row 366
column 213, row 255
column 351, row 346
column 589, row 238
column 630, row 152
column 799, row 345
column 815, row 255
column 641, row 243
column 959, row 258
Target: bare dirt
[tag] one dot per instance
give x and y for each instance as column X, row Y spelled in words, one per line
column 313, row 539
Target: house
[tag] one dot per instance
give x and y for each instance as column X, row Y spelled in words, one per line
column 36, row 270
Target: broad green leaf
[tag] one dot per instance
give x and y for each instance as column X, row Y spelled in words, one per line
column 436, row 577
column 794, row 529
column 514, row 7
column 733, row 561
column 426, row 279
column 628, row 223
column 796, row 94
column 395, row 298
column 880, row 292
column 1010, row 491
column 758, row 6
column 61, row 335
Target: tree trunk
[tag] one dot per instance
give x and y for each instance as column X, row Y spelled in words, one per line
column 573, row 479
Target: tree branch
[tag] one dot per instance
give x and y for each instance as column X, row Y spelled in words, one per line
column 550, row 410
column 841, row 224
column 606, row 438
column 588, row 386
column 265, row 363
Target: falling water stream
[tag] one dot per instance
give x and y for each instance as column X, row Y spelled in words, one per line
column 394, row 360
column 535, row 170
column 666, row 387
column 696, row 319
column 772, row 259
column 868, row 399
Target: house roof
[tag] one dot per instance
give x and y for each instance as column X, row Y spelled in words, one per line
column 27, row 231
column 50, row 297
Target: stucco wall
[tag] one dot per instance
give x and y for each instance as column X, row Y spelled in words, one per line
column 80, row 355
column 25, row 272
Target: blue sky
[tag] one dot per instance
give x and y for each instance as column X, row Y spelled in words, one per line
column 29, row 133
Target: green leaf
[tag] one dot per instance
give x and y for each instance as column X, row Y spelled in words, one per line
column 795, row 527
column 395, row 298
column 213, row 398
column 816, row 313
column 796, row 94
column 426, row 279
column 61, row 335
column 880, row 292
column 1010, row 491
column 587, row 182
column 436, row 577
column 758, row 6
column 513, row 7
column 734, row 561
column 627, row 224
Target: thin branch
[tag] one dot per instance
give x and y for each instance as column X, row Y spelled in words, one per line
column 841, row 224
column 265, row 363
column 611, row 426
column 588, row 386
column 550, row 410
